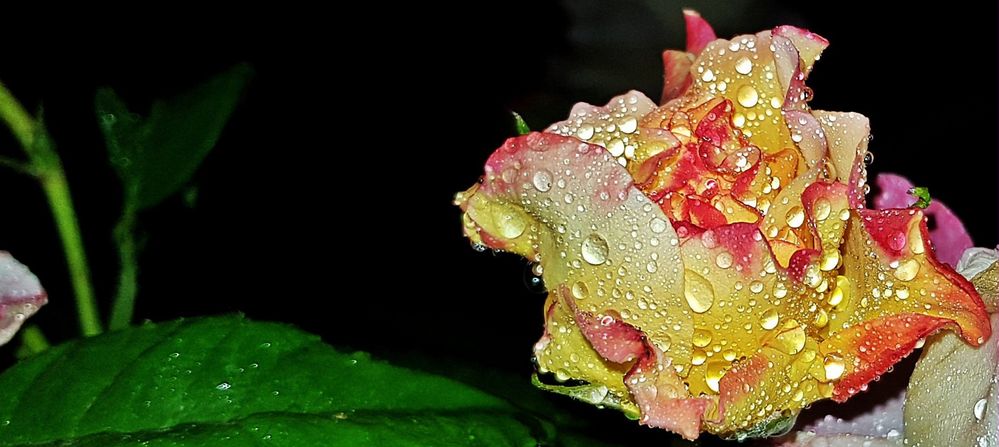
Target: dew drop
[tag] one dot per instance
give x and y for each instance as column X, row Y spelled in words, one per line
column 822, row 209
column 795, row 217
column 897, row 241
column 841, row 292
column 510, row 224
column 756, row 287
column 698, row 357
column 792, row 341
column 708, row 75
column 902, row 293
column 698, row 291
column 907, row 270
column 980, row 409
column 724, row 260
column 579, row 290
column 769, row 319
column 628, row 125
column 585, row 132
column 747, row 96
column 830, row 260
column 744, row 65
column 701, row 338
column 657, row 225
column 715, row 371
column 834, row 367
column 595, row 249
column 543, row 180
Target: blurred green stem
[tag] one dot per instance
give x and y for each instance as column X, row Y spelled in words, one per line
column 124, row 237
column 44, row 162
column 34, row 340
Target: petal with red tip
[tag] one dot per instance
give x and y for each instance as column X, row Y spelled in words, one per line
column 950, row 238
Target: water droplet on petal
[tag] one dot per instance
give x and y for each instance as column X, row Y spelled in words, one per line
column 701, row 338
column 698, row 291
column 595, row 249
column 543, row 180
column 585, row 132
column 579, row 290
column 657, row 225
column 980, row 409
column 769, row 319
column 834, row 367
column 822, row 209
column 795, row 217
column 907, row 270
column 747, row 96
column 830, row 260
column 715, row 371
column 744, row 65
column 724, row 260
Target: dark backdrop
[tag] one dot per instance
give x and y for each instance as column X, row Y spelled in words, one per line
column 327, row 201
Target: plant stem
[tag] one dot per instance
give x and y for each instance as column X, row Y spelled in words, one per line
column 33, row 340
column 124, row 237
column 44, row 161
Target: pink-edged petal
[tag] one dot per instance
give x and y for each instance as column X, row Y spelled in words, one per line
column 847, row 135
column 699, row 32
column 808, row 44
column 950, row 238
column 881, row 426
column 676, row 74
column 663, row 397
column 20, row 295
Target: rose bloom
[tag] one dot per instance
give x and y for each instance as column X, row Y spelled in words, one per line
column 710, row 263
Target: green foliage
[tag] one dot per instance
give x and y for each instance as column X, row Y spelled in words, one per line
column 157, row 155
column 520, row 125
column 922, row 195
column 227, row 380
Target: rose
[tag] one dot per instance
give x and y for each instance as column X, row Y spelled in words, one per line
column 710, row 263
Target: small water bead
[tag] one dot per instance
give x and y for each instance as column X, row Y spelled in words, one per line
column 542, row 180
column 907, row 270
column 713, row 374
column 834, row 367
column 708, row 75
column 585, row 132
column 980, row 409
column 769, row 319
column 724, row 260
column 658, row 225
column 744, row 65
column 595, row 249
column 791, row 341
column 842, row 291
column 628, row 125
column 747, row 96
column 701, row 338
column 698, row 356
column 698, row 291
column 579, row 290
column 822, row 209
column 830, row 260
column 756, row 287
column 795, row 217
column 510, row 224
column 729, row 355
column 902, row 293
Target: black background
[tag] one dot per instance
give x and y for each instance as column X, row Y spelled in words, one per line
column 327, row 202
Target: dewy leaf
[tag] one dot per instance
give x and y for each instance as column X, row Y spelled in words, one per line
column 157, row 155
column 228, row 380
column 520, row 124
column 922, row 195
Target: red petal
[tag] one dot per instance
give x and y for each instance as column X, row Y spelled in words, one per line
column 877, row 345
column 612, row 338
column 950, row 238
column 699, row 32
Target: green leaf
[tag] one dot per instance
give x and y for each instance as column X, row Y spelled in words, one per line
column 156, row 156
column 520, row 124
column 922, row 194
column 226, row 380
